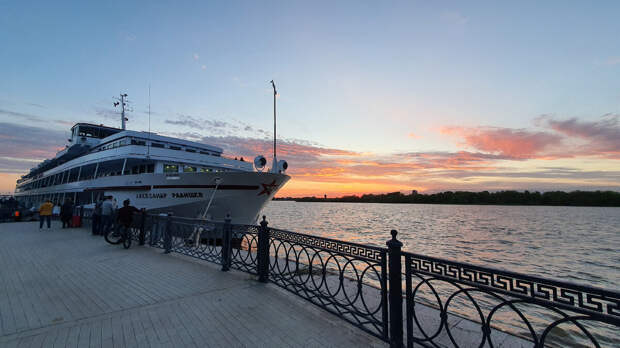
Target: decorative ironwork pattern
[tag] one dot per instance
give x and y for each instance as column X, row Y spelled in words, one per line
column 345, row 248
column 201, row 239
column 196, row 238
column 535, row 310
column 244, row 251
column 346, row 279
column 566, row 295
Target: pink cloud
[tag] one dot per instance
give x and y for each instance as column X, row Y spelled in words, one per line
column 601, row 137
column 512, row 143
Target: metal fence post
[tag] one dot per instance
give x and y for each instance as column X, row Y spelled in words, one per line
column 226, row 249
column 168, row 235
column 395, row 291
column 142, row 221
column 263, row 252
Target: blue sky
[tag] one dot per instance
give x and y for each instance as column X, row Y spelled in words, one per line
column 369, row 77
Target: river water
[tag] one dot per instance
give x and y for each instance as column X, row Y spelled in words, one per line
column 576, row 244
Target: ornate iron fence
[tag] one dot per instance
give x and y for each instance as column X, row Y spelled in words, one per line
column 200, row 239
column 347, row 279
column 457, row 304
column 440, row 303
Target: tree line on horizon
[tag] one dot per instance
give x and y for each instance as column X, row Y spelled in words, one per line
column 573, row 198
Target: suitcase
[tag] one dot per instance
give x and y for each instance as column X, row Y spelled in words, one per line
column 76, row 221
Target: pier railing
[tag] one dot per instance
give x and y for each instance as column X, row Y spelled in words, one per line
column 446, row 299
column 403, row 298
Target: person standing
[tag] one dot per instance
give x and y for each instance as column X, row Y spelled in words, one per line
column 45, row 213
column 66, row 213
column 107, row 212
column 56, row 210
column 97, row 218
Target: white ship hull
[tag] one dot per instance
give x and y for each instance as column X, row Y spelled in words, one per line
column 240, row 195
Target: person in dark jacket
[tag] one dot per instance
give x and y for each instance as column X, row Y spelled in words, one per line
column 125, row 214
column 66, row 213
column 97, row 230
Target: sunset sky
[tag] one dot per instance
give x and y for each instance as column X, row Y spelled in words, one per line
column 373, row 96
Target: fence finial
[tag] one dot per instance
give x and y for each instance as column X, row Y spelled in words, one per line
column 394, row 242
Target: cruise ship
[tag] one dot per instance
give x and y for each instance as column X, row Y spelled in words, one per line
column 159, row 173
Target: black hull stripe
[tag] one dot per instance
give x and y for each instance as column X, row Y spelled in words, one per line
column 221, row 187
column 119, row 188
column 147, row 187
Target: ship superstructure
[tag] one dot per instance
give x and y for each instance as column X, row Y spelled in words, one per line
column 158, row 173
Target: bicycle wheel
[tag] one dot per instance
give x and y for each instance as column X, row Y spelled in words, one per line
column 127, row 238
column 114, row 237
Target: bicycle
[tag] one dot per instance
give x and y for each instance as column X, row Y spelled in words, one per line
column 114, row 236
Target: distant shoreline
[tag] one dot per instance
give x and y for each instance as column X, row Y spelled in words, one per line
column 514, row 198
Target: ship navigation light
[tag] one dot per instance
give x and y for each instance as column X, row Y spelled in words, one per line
column 260, row 162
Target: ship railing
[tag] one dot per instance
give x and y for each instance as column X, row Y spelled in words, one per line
column 404, row 298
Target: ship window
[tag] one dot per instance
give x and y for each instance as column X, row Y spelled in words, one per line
column 204, row 153
column 150, row 168
column 190, row 150
column 171, row 168
column 73, row 174
column 205, row 170
column 157, row 145
column 138, row 142
column 110, row 168
column 189, row 169
column 175, row 147
column 88, row 172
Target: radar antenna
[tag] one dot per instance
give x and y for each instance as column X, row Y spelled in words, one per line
column 123, row 102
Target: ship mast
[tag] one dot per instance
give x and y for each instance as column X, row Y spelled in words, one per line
column 122, row 101
column 274, row 168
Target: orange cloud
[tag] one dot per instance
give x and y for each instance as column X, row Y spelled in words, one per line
column 414, row 136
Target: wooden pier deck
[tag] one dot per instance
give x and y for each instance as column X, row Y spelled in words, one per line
column 66, row 288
